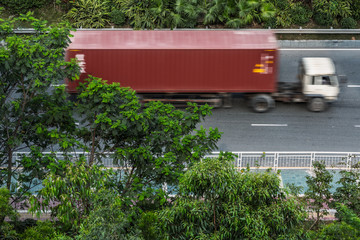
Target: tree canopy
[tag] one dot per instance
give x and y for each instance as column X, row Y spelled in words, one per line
column 218, row 202
column 30, row 108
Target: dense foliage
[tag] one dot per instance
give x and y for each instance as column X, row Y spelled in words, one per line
column 150, row 14
column 318, row 195
column 162, row 186
column 30, row 109
column 218, row 202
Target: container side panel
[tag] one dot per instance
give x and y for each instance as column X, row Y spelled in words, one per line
column 183, row 71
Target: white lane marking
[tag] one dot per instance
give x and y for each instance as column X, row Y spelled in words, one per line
column 353, row 86
column 357, row 126
column 319, row 49
column 268, row 125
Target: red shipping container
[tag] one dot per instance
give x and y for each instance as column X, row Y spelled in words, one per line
column 178, row 61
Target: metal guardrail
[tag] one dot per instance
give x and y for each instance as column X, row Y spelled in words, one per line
column 316, row 31
column 277, row 31
column 274, row 160
column 322, row 44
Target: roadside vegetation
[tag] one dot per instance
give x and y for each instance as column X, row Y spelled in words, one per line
column 151, row 14
column 153, row 146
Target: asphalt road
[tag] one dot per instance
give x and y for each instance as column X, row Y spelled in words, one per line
column 291, row 127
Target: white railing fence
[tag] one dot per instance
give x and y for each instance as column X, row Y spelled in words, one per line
column 274, row 160
column 293, row 160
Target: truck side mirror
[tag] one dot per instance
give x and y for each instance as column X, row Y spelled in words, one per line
column 342, row 78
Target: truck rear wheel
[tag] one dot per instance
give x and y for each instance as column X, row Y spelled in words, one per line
column 316, row 104
column 262, row 103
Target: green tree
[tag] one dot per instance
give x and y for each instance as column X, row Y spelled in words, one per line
column 346, row 228
column 6, row 210
column 30, row 109
column 151, row 146
column 216, row 201
column 348, row 192
column 108, row 221
column 318, row 194
column 154, row 143
column 70, row 194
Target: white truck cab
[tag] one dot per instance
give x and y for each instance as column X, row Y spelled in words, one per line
column 319, row 82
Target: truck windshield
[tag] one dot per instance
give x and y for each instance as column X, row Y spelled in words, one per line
column 330, row 80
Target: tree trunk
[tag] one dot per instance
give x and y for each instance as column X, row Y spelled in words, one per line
column 92, row 153
column 9, row 169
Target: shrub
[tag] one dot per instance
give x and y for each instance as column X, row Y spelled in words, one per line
column 348, row 22
column 280, row 4
column 355, row 9
column 22, row 6
column 300, row 15
column 6, row 210
column 107, row 221
column 117, row 17
column 336, row 230
column 272, row 23
column 323, row 19
column 347, row 228
column 147, row 224
column 40, row 231
column 7, row 231
column 89, row 14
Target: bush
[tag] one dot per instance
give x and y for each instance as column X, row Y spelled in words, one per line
column 336, row 230
column 300, row 15
column 323, row 19
column 43, row 230
column 348, row 22
column 280, row 4
column 355, row 9
column 89, row 14
column 107, row 221
column 272, row 23
column 117, row 17
column 7, row 230
column 22, row 6
column 6, row 210
column 147, row 224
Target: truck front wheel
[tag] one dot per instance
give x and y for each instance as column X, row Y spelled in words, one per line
column 316, row 104
column 262, row 103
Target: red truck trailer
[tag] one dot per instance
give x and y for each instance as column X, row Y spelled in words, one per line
column 202, row 64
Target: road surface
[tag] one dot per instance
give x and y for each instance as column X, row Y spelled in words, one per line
column 291, row 127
